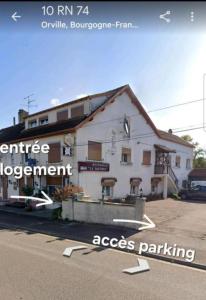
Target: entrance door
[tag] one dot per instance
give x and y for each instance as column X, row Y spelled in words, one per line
column 5, row 187
column 21, row 185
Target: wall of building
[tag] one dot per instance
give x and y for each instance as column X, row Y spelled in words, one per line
column 142, row 138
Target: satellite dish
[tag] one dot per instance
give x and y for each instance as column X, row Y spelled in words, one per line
column 69, row 140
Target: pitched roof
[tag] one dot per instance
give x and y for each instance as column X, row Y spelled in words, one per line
column 108, row 94
column 18, row 132
column 199, row 173
column 10, row 133
column 173, row 138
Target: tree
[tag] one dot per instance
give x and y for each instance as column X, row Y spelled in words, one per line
column 199, row 158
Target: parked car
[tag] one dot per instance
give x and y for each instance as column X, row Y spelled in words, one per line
column 197, row 192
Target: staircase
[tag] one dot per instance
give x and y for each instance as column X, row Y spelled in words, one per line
column 172, row 178
column 173, row 181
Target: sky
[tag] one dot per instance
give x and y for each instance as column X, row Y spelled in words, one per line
column 162, row 68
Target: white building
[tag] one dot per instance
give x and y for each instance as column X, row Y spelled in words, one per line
column 108, row 138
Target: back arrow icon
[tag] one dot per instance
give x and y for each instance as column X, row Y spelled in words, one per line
column 15, row 16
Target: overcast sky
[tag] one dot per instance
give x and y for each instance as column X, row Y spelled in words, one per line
column 162, row 68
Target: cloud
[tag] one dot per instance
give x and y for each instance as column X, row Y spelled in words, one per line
column 81, row 96
column 55, row 102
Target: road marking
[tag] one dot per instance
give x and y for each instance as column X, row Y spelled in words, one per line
column 143, row 266
column 149, row 224
column 68, row 251
column 45, row 201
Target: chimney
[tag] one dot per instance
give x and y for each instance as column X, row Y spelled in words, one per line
column 170, row 131
column 14, row 121
column 22, row 114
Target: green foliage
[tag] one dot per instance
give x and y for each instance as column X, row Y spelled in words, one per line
column 199, row 159
column 27, row 190
column 175, row 196
column 57, row 213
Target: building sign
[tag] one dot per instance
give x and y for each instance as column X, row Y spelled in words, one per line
column 92, row 166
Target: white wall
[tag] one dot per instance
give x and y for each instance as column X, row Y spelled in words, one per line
column 142, row 138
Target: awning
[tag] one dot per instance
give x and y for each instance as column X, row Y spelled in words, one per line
column 108, row 181
column 156, row 180
column 164, row 149
column 135, row 181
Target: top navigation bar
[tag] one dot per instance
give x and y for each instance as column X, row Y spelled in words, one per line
column 103, row 15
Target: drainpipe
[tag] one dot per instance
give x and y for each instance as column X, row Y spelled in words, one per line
column 165, row 184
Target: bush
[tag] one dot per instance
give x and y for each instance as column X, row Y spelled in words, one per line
column 57, row 214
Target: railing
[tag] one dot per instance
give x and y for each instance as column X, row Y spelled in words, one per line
column 161, row 169
column 172, row 175
column 165, row 169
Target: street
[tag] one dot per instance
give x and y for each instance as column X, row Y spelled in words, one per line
column 32, row 267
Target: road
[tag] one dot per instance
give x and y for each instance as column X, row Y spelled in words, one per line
column 32, row 267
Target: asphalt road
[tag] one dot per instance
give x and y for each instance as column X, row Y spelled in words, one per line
column 32, row 267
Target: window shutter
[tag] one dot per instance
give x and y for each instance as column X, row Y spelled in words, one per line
column 62, row 115
column 77, row 111
column 146, row 157
column 94, row 150
column 54, row 154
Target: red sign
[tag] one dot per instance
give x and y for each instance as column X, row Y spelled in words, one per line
column 92, row 166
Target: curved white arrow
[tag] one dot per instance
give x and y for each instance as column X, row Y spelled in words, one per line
column 45, row 201
column 148, row 224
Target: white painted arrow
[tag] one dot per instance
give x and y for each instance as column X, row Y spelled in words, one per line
column 15, row 17
column 68, row 251
column 45, row 201
column 147, row 225
column 142, row 267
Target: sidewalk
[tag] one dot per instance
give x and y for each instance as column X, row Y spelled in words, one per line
column 177, row 223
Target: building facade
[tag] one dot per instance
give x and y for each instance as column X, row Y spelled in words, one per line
column 110, row 141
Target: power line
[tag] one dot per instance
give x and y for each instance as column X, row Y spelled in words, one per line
column 175, row 105
column 135, row 137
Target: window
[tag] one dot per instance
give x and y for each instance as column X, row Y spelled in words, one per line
column 177, row 161
column 62, row 115
column 54, row 154
column 94, row 151
column 32, row 123
column 126, row 155
column 146, row 158
column 108, row 186
column 107, row 191
column 134, row 185
column 77, row 111
column 43, row 120
column 188, row 163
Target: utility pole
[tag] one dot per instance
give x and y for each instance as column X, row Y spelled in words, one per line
column 203, row 109
column 29, row 102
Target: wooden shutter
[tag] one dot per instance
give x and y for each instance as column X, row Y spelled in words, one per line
column 178, row 161
column 146, row 157
column 54, row 154
column 54, row 180
column 127, row 152
column 62, row 115
column 94, row 150
column 77, row 111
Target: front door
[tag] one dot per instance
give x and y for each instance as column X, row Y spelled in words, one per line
column 21, row 185
column 5, row 187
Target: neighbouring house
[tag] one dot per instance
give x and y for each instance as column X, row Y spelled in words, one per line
column 197, row 177
column 111, row 142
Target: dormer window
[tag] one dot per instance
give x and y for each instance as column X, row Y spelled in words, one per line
column 43, row 120
column 32, row 123
column 62, row 115
column 77, row 111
